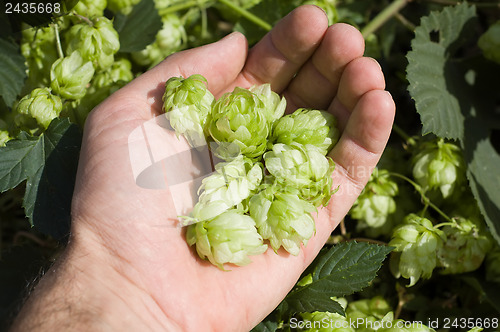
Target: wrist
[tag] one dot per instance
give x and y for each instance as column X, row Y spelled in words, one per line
column 84, row 291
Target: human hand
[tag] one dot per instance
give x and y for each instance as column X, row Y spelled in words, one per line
column 123, row 235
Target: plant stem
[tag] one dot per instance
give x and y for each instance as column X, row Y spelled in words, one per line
column 383, row 17
column 246, row 14
column 405, row 22
column 178, row 7
column 58, row 41
column 425, row 199
column 403, row 134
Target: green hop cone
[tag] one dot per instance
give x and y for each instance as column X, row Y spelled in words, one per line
column 374, row 309
column 4, row 137
column 122, row 6
column 228, row 238
column 119, row 73
column 467, row 243
column 324, row 322
column 38, row 46
column 40, row 105
column 307, row 126
column 187, row 103
column 230, row 184
column 239, row 123
column 169, row 39
column 90, row 8
column 489, row 42
column 439, row 165
column 303, row 167
column 376, row 204
column 274, row 106
column 282, row 217
column 71, row 75
column 96, row 43
column 416, row 241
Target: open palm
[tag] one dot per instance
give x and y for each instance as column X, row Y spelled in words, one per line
column 131, row 230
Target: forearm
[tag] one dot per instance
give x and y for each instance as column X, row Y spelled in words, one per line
column 81, row 292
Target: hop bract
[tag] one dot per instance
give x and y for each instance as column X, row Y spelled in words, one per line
column 40, row 105
column 439, row 165
column 465, row 248
column 283, row 218
column 274, row 106
column 303, row 167
column 231, row 183
column 96, row 43
column 240, row 118
column 417, row 241
column 376, row 203
column 228, row 238
column 187, row 103
column 489, row 42
column 70, row 76
column 307, row 126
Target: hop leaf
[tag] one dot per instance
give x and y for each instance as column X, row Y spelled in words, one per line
column 231, row 183
column 96, row 43
column 228, row 238
column 307, row 126
column 439, row 165
column 40, row 105
column 489, row 42
column 418, row 241
column 240, row 119
column 187, row 103
column 303, row 167
column 466, row 245
column 70, row 76
column 282, row 217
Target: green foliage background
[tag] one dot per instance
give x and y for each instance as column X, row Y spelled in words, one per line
column 443, row 87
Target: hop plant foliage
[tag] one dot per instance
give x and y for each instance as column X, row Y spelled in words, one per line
column 489, row 42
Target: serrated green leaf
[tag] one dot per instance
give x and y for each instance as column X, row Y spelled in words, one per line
column 340, row 271
column 265, row 326
column 48, row 164
column 12, row 72
column 435, row 82
column 483, row 173
column 138, row 29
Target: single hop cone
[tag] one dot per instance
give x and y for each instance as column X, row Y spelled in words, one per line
column 376, row 204
column 41, row 105
column 307, row 126
column 303, row 167
column 71, row 75
column 467, row 243
column 325, row 322
column 228, row 238
column 439, row 165
column 187, row 103
column 416, row 241
column 282, row 217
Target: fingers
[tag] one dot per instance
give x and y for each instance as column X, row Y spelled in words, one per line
column 283, row 51
column 364, row 137
column 318, row 80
